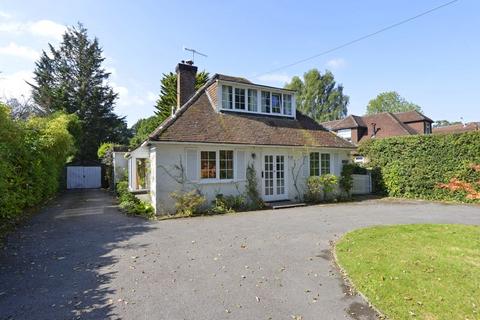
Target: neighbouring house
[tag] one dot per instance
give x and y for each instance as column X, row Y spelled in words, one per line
column 386, row 124
column 230, row 123
column 457, row 128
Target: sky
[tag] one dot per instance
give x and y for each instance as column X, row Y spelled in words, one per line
column 432, row 61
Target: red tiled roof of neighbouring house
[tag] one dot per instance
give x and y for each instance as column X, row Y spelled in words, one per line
column 457, row 128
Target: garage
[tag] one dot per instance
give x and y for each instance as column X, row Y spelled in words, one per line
column 84, row 177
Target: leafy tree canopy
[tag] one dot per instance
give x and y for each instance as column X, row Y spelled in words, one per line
column 71, row 78
column 390, row 101
column 168, row 92
column 167, row 99
column 319, row 96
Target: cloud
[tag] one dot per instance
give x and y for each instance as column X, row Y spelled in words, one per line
column 40, row 28
column 336, row 63
column 5, row 15
column 14, row 85
column 12, row 49
column 275, row 78
column 152, row 97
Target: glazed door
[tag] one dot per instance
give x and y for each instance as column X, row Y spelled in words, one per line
column 274, row 187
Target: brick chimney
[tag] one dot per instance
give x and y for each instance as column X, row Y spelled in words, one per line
column 186, row 75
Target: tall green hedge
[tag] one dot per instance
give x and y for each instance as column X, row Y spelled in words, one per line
column 32, row 157
column 413, row 166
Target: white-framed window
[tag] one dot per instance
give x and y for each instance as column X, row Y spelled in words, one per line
column 287, row 104
column 261, row 100
column 142, row 173
column 239, row 99
column 345, row 134
column 265, row 101
column 319, row 163
column 276, row 103
column 216, row 164
column 252, row 100
column 227, row 97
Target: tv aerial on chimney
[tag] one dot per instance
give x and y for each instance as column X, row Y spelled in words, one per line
column 193, row 51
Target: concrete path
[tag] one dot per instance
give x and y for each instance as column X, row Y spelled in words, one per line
column 81, row 258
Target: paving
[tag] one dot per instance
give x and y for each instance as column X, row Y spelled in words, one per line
column 80, row 258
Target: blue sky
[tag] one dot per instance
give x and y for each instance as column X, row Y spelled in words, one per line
column 432, row 61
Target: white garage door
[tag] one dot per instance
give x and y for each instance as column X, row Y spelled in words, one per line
column 84, row 177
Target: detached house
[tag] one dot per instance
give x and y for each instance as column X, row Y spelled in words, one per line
column 228, row 124
column 356, row 129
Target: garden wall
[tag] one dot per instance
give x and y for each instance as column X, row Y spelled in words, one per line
column 417, row 166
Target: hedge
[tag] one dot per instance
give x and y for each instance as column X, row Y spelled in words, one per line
column 417, row 166
column 32, row 157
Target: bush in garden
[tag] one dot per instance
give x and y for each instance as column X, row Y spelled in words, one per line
column 415, row 166
column 253, row 198
column 346, row 178
column 32, row 158
column 320, row 187
column 131, row 204
column 187, row 203
column 227, row 204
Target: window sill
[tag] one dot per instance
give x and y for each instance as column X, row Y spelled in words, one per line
column 218, row 181
column 140, row 191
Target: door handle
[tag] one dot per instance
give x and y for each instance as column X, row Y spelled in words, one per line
column 262, row 174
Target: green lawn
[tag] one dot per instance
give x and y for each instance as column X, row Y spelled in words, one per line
column 416, row 271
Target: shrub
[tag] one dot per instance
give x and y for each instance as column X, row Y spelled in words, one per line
column 228, row 204
column 414, row 166
column 346, row 178
column 32, row 158
column 131, row 204
column 320, row 187
column 187, row 203
column 254, row 200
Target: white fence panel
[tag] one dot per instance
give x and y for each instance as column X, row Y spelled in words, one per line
column 362, row 184
column 84, row 177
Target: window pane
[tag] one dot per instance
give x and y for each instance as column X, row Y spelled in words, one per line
column 252, row 100
column 226, row 164
column 208, row 164
column 143, row 178
column 276, row 102
column 287, row 104
column 266, row 101
column 239, row 98
column 227, row 97
column 314, row 164
column 325, row 163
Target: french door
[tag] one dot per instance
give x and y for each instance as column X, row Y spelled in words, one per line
column 274, row 171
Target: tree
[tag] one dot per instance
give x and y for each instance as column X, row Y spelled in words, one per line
column 168, row 93
column 167, row 99
column 71, row 78
column 143, row 127
column 390, row 101
column 24, row 108
column 444, row 123
column 319, row 96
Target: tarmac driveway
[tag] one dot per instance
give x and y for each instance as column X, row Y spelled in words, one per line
column 81, row 258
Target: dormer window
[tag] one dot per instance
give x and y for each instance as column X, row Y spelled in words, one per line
column 239, row 97
column 227, row 97
column 252, row 100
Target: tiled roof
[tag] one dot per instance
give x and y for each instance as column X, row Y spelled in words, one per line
column 457, row 128
column 412, row 116
column 198, row 121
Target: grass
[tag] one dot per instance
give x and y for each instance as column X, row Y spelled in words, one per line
column 422, row 271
